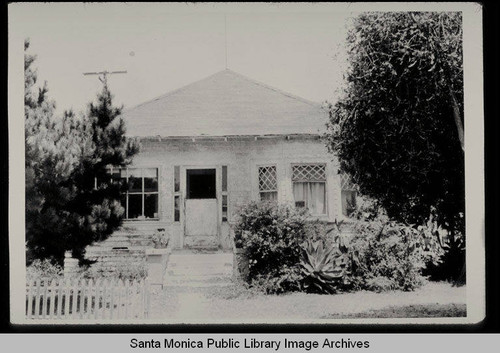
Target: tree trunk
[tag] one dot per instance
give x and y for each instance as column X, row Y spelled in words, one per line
column 460, row 129
column 458, row 120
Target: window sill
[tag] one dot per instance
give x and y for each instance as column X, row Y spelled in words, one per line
column 141, row 219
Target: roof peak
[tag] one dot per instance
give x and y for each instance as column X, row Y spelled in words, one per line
column 234, row 73
column 290, row 95
column 223, row 104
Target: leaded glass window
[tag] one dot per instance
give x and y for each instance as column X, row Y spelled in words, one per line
column 268, row 183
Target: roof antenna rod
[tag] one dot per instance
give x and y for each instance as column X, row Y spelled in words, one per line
column 225, row 37
column 103, row 75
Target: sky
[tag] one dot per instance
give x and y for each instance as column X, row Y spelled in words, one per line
column 166, row 46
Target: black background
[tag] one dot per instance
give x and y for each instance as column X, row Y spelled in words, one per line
column 491, row 324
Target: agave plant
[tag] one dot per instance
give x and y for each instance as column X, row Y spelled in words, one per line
column 323, row 267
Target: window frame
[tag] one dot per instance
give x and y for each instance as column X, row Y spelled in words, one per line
column 224, row 206
column 142, row 193
column 346, row 185
column 177, row 193
column 259, row 192
column 325, row 182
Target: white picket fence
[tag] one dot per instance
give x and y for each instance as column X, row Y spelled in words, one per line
column 79, row 299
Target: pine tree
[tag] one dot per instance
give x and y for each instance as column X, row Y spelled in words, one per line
column 97, row 207
column 48, row 164
column 65, row 208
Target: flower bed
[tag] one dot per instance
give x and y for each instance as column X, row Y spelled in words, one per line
column 286, row 252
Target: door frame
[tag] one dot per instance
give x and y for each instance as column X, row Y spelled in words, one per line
column 218, row 195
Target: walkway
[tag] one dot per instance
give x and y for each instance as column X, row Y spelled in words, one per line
column 191, row 277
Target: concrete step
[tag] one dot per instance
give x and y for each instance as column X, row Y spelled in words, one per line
column 131, row 251
column 124, row 250
column 124, row 238
column 199, row 269
column 144, row 241
column 187, row 274
column 196, row 268
column 197, row 281
column 216, row 257
column 201, row 242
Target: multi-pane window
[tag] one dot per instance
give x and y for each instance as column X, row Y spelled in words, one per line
column 268, row 183
column 141, row 198
column 224, row 194
column 309, row 187
column 177, row 193
column 348, row 195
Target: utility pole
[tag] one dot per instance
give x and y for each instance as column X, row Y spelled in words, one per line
column 103, row 75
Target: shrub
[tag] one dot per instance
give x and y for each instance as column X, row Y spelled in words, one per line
column 380, row 284
column 388, row 256
column 285, row 279
column 287, row 253
column 323, row 267
column 43, row 269
column 328, row 233
column 271, row 235
column 130, row 271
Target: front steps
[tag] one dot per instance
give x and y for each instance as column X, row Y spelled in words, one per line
column 199, row 268
column 201, row 242
column 125, row 247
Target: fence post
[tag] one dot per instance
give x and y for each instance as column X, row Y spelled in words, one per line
column 30, row 299
column 44, row 301
column 156, row 260
column 52, row 306
column 97, row 287
column 70, row 264
column 67, row 292
column 88, row 309
column 59, row 297
column 75, row 298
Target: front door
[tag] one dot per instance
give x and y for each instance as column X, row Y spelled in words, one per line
column 201, row 216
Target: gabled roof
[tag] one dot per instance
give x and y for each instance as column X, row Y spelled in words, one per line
column 225, row 104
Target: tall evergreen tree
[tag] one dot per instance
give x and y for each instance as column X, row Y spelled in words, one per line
column 96, row 209
column 65, row 208
column 398, row 129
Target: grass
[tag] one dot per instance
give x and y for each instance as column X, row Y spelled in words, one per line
column 408, row 311
column 238, row 303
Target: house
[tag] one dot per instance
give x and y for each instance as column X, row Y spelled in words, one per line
column 214, row 145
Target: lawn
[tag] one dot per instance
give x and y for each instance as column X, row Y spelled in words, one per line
column 408, row 311
column 235, row 303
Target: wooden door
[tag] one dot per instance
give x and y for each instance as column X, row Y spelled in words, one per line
column 201, row 208
column 201, row 217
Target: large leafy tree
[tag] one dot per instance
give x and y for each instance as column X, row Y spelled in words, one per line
column 398, row 128
column 70, row 200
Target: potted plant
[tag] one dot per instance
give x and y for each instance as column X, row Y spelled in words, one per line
column 160, row 239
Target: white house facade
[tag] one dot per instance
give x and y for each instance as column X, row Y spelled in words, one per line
column 215, row 145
